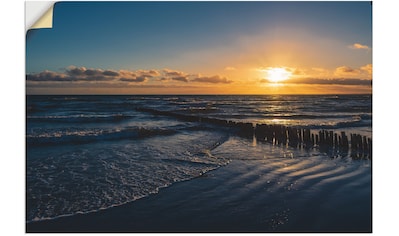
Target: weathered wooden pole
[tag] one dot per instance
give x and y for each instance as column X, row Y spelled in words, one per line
column 335, row 140
column 312, row 140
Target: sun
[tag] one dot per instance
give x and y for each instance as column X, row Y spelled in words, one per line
column 277, row 74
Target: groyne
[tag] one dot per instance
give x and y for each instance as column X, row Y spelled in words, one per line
column 335, row 144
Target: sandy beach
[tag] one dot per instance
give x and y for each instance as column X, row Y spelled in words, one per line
column 259, row 193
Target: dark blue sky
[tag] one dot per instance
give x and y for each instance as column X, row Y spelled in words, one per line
column 123, row 34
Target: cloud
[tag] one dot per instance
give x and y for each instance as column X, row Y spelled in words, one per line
column 346, row 71
column 47, row 76
column 213, row 79
column 148, row 73
column 359, row 46
column 134, row 80
column 180, row 78
column 368, row 68
column 127, row 74
column 83, row 74
column 73, row 73
column 174, row 75
column 343, row 75
column 296, row 71
column 110, row 73
column 343, row 72
column 331, row 81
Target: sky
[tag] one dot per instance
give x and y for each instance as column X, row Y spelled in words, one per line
column 202, row 48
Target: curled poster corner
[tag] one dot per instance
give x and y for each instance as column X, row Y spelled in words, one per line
column 39, row 14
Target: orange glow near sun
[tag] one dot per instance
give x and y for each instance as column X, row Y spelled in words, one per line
column 277, row 74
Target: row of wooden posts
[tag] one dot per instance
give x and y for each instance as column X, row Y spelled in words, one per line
column 355, row 145
column 359, row 146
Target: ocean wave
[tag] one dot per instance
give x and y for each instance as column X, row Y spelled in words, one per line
column 79, row 136
column 198, row 109
column 88, row 180
column 316, row 117
column 80, row 118
column 356, row 122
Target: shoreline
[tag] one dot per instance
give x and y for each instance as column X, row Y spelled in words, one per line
column 242, row 196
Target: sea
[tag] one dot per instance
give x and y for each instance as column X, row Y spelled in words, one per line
column 88, row 153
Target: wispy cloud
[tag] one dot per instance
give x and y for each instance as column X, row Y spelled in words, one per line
column 359, row 46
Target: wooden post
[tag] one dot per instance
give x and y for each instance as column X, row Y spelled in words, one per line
column 301, row 135
column 331, row 139
column 365, row 148
column 321, row 134
column 370, row 147
column 345, row 142
column 335, row 140
column 313, row 141
column 359, row 137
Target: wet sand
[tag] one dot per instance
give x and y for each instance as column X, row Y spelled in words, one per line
column 305, row 194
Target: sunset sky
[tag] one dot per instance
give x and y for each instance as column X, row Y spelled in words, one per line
column 202, row 48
